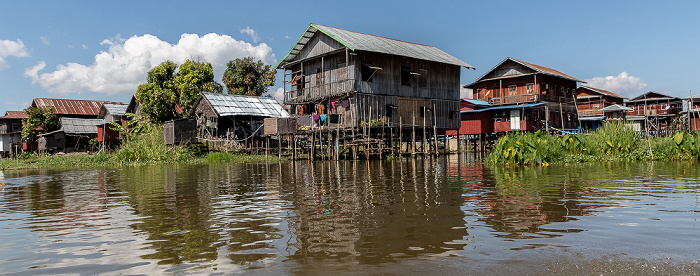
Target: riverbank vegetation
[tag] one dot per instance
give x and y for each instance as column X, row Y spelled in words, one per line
column 613, row 142
column 147, row 147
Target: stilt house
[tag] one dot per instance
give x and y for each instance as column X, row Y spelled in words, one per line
column 653, row 111
column 234, row 116
column 110, row 113
column 527, row 96
column 11, row 132
column 693, row 111
column 590, row 103
column 348, row 79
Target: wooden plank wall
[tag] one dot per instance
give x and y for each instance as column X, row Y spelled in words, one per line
column 443, row 79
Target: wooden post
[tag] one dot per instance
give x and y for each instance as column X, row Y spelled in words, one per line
column 435, row 129
column 425, row 139
column 413, row 135
column 400, row 134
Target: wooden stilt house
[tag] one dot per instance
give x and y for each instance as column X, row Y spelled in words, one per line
column 233, row 116
column 351, row 80
column 590, row 102
column 528, row 97
column 653, row 112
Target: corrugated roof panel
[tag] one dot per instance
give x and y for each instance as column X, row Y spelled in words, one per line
column 372, row 43
column 80, row 126
column 73, row 107
column 236, row 105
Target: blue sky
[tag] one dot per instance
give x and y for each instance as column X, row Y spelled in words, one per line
column 102, row 50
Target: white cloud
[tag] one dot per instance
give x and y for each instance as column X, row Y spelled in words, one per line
column 45, row 40
column 84, row 46
column 623, row 84
column 121, row 68
column 9, row 48
column 277, row 93
column 251, row 33
column 287, row 37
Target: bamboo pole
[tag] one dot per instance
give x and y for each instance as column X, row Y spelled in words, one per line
column 435, row 129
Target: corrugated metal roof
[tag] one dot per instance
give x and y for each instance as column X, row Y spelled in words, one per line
column 80, row 126
column 601, row 91
column 236, row 105
column 477, row 102
column 15, row 115
column 654, row 97
column 519, row 106
column 537, row 68
column 72, row 107
column 113, row 109
column 591, row 118
column 615, row 107
column 365, row 42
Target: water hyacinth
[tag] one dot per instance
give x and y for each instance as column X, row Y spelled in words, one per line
column 614, row 141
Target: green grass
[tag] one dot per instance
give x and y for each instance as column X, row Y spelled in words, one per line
column 147, row 148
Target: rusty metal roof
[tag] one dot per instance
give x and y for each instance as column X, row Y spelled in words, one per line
column 538, row 69
column 72, row 107
column 15, row 115
column 355, row 41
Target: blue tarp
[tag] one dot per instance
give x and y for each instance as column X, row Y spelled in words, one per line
column 504, row 107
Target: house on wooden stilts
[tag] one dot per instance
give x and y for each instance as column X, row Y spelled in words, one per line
column 594, row 104
column 654, row 112
column 234, row 121
column 371, row 91
column 528, row 97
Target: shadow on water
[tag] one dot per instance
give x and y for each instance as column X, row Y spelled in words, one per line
column 349, row 215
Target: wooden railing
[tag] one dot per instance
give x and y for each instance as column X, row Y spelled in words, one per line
column 590, row 112
column 652, row 112
column 337, row 88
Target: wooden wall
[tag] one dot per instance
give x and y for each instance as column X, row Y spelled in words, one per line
column 442, row 79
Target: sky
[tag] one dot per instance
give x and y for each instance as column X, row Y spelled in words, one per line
column 101, row 50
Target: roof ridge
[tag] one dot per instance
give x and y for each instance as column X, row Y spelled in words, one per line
column 374, row 35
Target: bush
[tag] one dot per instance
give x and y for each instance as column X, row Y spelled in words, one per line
column 149, row 147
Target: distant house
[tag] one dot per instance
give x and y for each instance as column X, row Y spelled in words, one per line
column 87, row 109
column 653, row 111
column 11, row 132
column 73, row 135
column 351, row 79
column 591, row 100
column 110, row 113
column 234, row 116
column 473, row 120
column 526, row 96
column 693, row 111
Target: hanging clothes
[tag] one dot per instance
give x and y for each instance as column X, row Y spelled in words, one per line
column 333, row 103
column 346, row 103
column 321, row 109
column 316, row 118
column 323, row 118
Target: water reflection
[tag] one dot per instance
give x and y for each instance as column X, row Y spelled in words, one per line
column 189, row 218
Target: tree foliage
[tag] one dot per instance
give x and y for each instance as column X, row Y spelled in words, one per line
column 44, row 118
column 248, row 77
column 168, row 87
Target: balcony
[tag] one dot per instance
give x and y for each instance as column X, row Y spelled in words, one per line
column 316, row 92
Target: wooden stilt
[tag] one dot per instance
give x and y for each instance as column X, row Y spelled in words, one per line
column 413, row 135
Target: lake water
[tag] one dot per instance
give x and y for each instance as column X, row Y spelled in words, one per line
column 434, row 216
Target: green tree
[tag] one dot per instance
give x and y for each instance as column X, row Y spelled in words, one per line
column 193, row 78
column 248, row 77
column 44, row 118
column 168, row 87
column 157, row 96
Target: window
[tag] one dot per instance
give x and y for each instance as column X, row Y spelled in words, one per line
column 16, row 126
column 341, row 59
column 406, row 76
column 423, row 78
column 366, row 71
column 319, row 77
column 530, row 88
column 596, row 105
column 511, row 89
column 477, row 95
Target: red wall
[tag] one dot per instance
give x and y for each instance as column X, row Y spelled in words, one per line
column 106, row 133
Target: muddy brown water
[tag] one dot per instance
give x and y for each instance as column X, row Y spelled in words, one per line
column 424, row 216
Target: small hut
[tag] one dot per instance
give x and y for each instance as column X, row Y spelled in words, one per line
column 234, row 116
column 110, row 113
column 72, row 136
